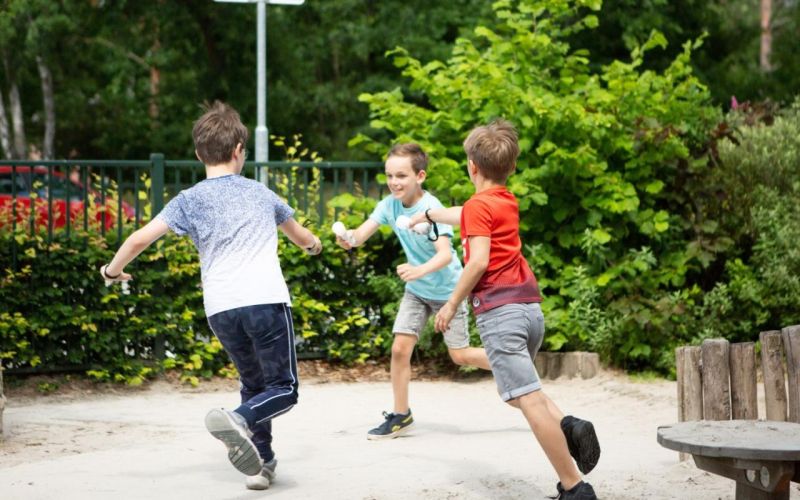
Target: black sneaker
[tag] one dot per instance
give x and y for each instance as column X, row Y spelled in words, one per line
column 582, row 442
column 394, row 425
column 581, row 491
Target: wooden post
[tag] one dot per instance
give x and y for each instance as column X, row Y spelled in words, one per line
column 571, row 364
column 590, row 364
column 791, row 344
column 554, row 365
column 716, row 379
column 744, row 403
column 772, row 368
column 690, row 386
column 540, row 363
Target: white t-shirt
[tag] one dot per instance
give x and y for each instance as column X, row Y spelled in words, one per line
column 233, row 223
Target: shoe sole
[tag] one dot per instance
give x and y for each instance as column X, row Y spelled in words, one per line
column 397, row 433
column 267, row 474
column 585, row 438
column 241, row 451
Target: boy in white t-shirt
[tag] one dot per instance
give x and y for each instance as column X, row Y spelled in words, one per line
column 431, row 273
column 233, row 222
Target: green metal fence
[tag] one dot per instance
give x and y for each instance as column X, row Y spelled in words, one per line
column 55, row 197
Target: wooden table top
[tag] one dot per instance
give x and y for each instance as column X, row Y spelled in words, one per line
column 743, row 439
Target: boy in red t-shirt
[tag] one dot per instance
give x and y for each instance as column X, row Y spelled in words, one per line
column 505, row 297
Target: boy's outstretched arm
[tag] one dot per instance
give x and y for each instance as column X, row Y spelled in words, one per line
column 407, row 272
column 478, row 262
column 360, row 235
column 450, row 215
column 301, row 236
column 131, row 248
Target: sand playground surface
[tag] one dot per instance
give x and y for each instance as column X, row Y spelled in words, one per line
column 151, row 443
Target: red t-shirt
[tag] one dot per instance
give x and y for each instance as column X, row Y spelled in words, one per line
column 494, row 213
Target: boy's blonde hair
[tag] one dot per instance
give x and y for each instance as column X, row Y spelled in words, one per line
column 412, row 151
column 217, row 133
column 494, row 149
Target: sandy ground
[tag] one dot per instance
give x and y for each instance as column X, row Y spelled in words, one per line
column 466, row 445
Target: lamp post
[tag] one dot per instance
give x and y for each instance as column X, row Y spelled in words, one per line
column 262, row 134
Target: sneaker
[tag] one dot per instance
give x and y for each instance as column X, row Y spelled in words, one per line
column 264, row 479
column 581, row 491
column 582, row 442
column 231, row 428
column 394, row 425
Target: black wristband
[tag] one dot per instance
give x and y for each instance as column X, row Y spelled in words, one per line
column 108, row 276
column 428, row 216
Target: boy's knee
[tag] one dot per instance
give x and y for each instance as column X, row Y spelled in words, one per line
column 458, row 356
column 402, row 347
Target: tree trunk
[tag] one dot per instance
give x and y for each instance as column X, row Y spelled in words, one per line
column 766, row 35
column 48, row 101
column 17, row 121
column 5, row 138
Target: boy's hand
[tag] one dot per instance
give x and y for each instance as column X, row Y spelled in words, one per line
column 443, row 317
column 343, row 243
column 316, row 248
column 416, row 219
column 407, row 272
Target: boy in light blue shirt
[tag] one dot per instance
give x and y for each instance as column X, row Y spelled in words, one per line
column 431, row 273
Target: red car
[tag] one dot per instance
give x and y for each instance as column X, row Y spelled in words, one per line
column 36, row 180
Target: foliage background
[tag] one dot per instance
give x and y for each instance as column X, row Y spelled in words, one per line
column 653, row 215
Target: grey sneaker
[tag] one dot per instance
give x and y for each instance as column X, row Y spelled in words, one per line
column 394, row 425
column 265, row 478
column 231, row 429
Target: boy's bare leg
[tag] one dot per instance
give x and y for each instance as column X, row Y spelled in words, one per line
column 402, row 348
column 547, row 429
column 470, row 356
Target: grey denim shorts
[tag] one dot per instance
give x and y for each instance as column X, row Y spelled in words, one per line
column 512, row 335
column 414, row 312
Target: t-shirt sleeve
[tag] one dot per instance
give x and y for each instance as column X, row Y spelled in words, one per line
column 282, row 210
column 477, row 217
column 444, row 229
column 380, row 214
column 175, row 216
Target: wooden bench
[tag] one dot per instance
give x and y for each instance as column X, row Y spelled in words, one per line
column 762, row 457
column 718, row 412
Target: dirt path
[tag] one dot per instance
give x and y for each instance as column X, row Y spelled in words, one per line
column 151, row 443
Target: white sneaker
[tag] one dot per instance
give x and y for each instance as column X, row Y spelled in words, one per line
column 264, row 479
column 231, row 428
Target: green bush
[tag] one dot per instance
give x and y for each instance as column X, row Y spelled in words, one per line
column 56, row 312
column 610, row 162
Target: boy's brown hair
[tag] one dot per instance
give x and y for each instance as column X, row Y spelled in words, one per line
column 217, row 133
column 494, row 149
column 412, row 151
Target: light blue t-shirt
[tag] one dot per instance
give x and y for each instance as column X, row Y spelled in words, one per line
column 419, row 249
column 233, row 223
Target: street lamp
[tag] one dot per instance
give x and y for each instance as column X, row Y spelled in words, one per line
column 261, row 136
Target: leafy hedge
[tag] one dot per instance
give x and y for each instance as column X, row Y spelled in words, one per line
column 56, row 312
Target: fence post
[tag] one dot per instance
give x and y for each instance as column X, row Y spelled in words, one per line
column 157, row 182
column 791, row 345
column 716, row 379
column 690, row 386
column 744, row 401
column 156, row 204
column 772, row 368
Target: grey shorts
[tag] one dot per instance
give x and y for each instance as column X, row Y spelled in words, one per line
column 414, row 312
column 512, row 335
